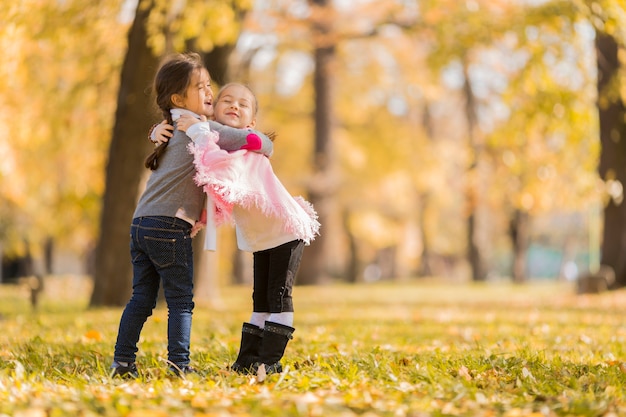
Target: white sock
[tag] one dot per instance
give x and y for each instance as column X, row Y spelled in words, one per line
column 258, row 319
column 285, row 319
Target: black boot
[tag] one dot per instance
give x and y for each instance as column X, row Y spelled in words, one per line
column 251, row 338
column 275, row 339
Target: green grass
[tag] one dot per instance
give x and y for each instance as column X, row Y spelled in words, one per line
column 418, row 349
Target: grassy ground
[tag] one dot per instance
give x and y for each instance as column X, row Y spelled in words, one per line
column 418, row 349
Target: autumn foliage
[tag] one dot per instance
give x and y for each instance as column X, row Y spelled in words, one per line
column 451, row 121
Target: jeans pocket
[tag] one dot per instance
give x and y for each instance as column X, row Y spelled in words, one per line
column 162, row 251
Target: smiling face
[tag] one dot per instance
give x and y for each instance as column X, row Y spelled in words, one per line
column 235, row 106
column 198, row 97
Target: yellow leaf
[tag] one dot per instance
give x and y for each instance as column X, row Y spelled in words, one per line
column 464, row 372
column 93, row 335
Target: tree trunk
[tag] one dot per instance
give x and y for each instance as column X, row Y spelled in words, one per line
column 353, row 269
column 423, row 198
column 520, row 235
column 386, row 260
column 425, row 267
column 216, row 62
column 314, row 268
column 242, row 268
column 612, row 165
column 205, row 283
column 475, row 248
column 48, row 255
column 129, row 147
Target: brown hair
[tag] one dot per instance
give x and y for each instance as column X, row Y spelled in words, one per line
column 173, row 77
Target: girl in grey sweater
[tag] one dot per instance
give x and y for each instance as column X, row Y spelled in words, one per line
column 160, row 233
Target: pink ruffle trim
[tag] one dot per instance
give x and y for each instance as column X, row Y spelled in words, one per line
column 246, row 179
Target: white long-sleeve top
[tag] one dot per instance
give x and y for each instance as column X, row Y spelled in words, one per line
column 245, row 190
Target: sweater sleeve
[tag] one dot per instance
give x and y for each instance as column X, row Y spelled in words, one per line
column 232, row 139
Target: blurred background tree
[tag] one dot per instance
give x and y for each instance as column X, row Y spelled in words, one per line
column 57, row 100
column 610, row 42
column 473, row 140
column 159, row 28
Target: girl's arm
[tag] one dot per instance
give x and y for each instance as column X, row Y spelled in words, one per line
column 232, row 139
column 161, row 132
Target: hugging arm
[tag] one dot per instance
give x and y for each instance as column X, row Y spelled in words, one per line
column 232, row 139
column 161, row 132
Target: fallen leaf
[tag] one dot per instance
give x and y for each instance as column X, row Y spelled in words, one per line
column 464, row 372
column 93, row 335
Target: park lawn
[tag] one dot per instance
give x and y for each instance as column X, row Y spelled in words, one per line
column 410, row 349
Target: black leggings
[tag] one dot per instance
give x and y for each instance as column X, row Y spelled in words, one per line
column 274, row 275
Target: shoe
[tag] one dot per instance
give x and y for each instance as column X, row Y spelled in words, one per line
column 275, row 339
column 126, row 370
column 181, row 370
column 251, row 339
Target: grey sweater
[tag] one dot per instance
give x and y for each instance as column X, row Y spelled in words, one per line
column 171, row 186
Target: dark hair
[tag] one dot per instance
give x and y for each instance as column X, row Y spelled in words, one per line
column 173, row 77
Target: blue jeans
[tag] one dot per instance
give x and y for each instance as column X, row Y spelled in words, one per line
column 161, row 251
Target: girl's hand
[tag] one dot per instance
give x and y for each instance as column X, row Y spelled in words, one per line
column 186, row 121
column 162, row 133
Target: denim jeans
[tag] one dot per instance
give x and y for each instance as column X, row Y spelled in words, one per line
column 161, row 251
column 274, row 276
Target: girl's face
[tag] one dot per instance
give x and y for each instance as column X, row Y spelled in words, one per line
column 198, row 97
column 235, row 107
